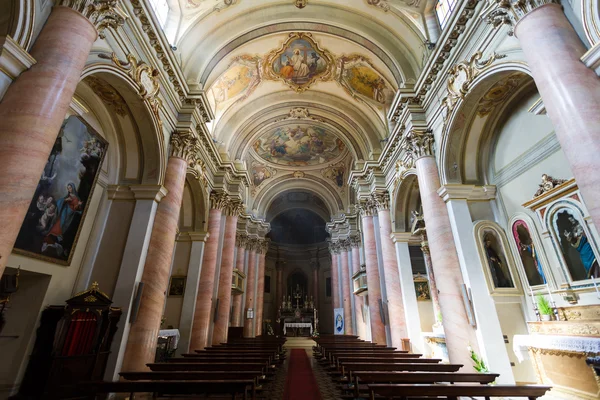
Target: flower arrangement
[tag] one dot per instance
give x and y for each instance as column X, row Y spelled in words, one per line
column 315, row 334
column 478, row 361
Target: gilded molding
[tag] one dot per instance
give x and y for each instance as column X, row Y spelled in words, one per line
column 218, row 200
column 418, row 144
column 184, row 145
column 510, row 12
column 102, row 14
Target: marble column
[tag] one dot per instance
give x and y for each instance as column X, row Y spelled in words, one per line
column 143, row 335
column 393, row 288
column 34, row 107
column 279, row 282
column 250, row 287
column 199, row 340
column 361, row 327
column 570, row 90
column 346, row 291
column 335, row 283
column 232, row 211
column 240, row 242
column 260, row 286
column 367, row 209
column 459, row 333
column 315, row 282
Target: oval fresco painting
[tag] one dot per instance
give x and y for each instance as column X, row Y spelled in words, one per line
column 299, row 145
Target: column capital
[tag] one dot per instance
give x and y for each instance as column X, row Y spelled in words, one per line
column 355, row 241
column 263, row 246
column 101, row 13
column 418, row 144
column 510, row 12
column 251, row 244
column 233, row 208
column 334, row 247
column 381, row 200
column 344, row 245
column 366, row 207
column 184, row 145
column 241, row 240
column 218, row 200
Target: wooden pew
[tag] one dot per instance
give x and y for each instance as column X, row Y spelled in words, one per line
column 348, row 368
column 390, row 391
column 209, row 366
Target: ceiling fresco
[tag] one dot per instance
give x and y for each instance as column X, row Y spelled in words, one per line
column 236, row 83
column 298, row 145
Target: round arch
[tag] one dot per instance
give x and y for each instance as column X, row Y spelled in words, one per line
column 406, row 199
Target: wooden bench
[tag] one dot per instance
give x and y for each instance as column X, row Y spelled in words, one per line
column 209, row 366
column 391, row 367
column 402, row 391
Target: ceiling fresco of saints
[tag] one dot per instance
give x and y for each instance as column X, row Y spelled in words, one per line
column 298, row 145
column 236, row 83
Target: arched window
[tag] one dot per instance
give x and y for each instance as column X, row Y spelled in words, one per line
column 161, row 10
column 443, row 9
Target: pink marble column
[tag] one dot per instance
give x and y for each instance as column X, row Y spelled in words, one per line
column 32, row 112
column 347, row 301
column 204, row 299
column 335, row 285
column 373, row 283
column 143, row 335
column 459, row 333
column 570, row 92
column 361, row 327
column 226, row 273
column 279, row 282
column 260, row 286
column 393, row 289
column 239, row 265
column 315, row 283
column 250, row 283
column 435, row 298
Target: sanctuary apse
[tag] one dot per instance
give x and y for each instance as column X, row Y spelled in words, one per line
column 188, row 173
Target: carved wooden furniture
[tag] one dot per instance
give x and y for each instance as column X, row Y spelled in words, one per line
column 72, row 344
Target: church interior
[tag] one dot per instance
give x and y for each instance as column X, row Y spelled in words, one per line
column 299, row 199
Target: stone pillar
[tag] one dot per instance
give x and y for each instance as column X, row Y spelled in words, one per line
column 570, row 90
column 188, row 308
column 367, row 209
column 143, row 335
column 35, row 105
column 335, row 283
column 346, row 291
column 435, row 297
column 232, row 211
column 361, row 327
column 240, row 242
column 459, row 333
column 199, row 340
column 250, row 287
column 315, row 282
column 260, row 285
column 393, row 288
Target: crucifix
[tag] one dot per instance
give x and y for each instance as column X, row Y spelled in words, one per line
column 298, row 296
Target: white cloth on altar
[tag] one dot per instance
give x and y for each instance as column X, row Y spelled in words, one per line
column 297, row 325
column 521, row 344
column 171, row 332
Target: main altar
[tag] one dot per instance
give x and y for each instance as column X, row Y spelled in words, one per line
column 297, row 315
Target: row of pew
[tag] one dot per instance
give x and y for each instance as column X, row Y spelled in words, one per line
column 238, row 369
column 367, row 370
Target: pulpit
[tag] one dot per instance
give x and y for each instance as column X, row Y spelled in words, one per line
column 559, row 351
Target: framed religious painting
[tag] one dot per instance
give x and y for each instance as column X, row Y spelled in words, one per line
column 61, row 200
column 496, row 259
column 530, row 257
column 177, row 286
column 422, row 287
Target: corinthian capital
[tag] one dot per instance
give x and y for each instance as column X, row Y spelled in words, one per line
column 263, row 246
column 334, row 248
column 101, row 13
column 509, row 12
column 218, row 200
column 355, row 241
column 233, row 208
column 418, row 144
column 367, row 207
column 184, row 145
column 381, row 200
column 241, row 240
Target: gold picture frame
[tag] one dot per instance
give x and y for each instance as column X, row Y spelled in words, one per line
column 177, row 285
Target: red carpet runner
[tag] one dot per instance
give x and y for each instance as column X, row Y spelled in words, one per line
column 301, row 383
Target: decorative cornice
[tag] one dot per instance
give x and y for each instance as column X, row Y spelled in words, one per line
column 381, row 200
column 510, row 12
column 418, row 144
column 467, row 192
column 218, row 200
column 102, row 14
column 184, row 145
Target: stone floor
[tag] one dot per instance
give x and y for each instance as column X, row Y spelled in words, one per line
column 326, row 387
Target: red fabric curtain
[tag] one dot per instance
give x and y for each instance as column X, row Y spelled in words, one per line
column 80, row 337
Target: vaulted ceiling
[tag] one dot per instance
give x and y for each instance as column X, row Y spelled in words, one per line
column 300, row 94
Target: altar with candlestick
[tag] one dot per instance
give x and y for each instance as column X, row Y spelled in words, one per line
column 297, row 315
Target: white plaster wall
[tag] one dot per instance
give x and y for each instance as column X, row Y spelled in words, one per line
column 181, row 260
column 426, row 314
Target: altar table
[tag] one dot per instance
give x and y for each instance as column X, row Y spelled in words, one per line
column 297, row 325
column 577, row 344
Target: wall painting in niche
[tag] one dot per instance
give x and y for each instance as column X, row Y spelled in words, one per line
column 575, row 245
column 53, row 221
column 528, row 254
column 496, row 260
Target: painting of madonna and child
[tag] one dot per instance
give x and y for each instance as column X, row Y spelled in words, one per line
column 58, row 207
column 575, row 245
column 299, row 62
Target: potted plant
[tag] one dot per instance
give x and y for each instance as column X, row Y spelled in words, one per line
column 544, row 308
column 478, row 362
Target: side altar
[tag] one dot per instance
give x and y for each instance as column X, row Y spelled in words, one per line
column 297, row 315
